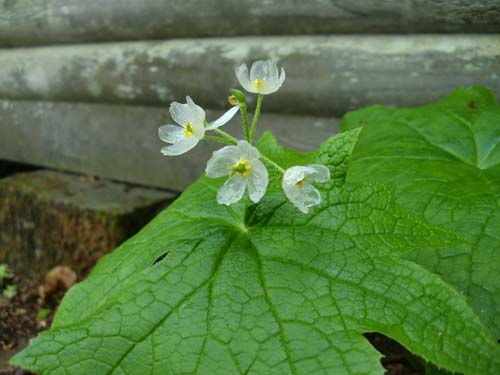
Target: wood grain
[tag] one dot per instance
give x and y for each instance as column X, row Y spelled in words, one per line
column 31, row 22
column 326, row 75
column 121, row 142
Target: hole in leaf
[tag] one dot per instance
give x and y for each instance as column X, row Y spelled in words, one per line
column 161, row 257
column 397, row 360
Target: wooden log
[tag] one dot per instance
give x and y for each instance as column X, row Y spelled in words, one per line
column 50, row 218
column 30, row 22
column 326, row 76
column 121, row 142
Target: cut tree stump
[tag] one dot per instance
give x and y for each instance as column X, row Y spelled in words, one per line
column 50, row 218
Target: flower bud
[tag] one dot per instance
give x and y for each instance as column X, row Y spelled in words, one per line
column 238, row 95
column 232, row 100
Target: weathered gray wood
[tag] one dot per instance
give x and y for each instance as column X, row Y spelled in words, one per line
column 325, row 75
column 121, row 142
column 28, row 22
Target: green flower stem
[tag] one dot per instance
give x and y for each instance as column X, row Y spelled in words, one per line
column 256, row 116
column 227, row 136
column 244, row 113
column 235, row 216
column 217, row 139
column 272, row 163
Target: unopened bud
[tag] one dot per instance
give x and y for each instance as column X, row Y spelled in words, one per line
column 240, row 97
column 232, row 100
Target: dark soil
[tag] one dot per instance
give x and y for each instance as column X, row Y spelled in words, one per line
column 22, row 316
column 33, row 307
column 397, row 360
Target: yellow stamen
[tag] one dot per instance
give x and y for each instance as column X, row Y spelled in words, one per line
column 188, row 131
column 242, row 167
column 258, row 83
column 301, row 183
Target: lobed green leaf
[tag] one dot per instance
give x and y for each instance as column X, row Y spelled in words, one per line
column 443, row 160
column 264, row 289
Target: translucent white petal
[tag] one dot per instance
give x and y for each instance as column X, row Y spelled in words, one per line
column 180, row 147
column 257, row 181
column 282, row 77
column 224, row 118
column 242, row 75
column 291, row 191
column 293, row 175
column 180, row 113
column 171, row 133
column 198, row 129
column 273, row 85
column 232, row 190
column 197, row 113
column 261, row 70
column 319, row 173
column 303, row 196
column 248, row 151
column 189, row 112
column 273, row 71
column 309, row 196
column 304, row 209
column 221, row 160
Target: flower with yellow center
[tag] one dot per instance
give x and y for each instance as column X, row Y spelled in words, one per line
column 189, row 131
column 242, row 167
column 190, row 128
column 264, row 77
column 241, row 163
column 297, row 185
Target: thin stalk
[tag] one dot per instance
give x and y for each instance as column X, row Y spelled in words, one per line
column 234, row 214
column 226, row 135
column 256, row 116
column 217, row 139
column 270, row 162
column 244, row 114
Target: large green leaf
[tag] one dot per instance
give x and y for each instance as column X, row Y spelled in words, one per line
column 264, row 289
column 444, row 161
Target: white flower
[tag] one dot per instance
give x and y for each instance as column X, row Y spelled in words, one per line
column 188, row 133
column 245, row 170
column 297, row 187
column 264, row 78
column 191, row 128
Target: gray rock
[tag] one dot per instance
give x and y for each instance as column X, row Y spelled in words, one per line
column 28, row 22
column 121, row 142
column 326, row 76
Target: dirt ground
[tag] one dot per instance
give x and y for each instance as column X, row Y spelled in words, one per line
column 28, row 311
column 35, row 302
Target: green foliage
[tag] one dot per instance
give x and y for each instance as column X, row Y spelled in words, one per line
column 443, row 160
column 264, row 289
column 4, row 274
column 10, row 291
column 42, row 314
